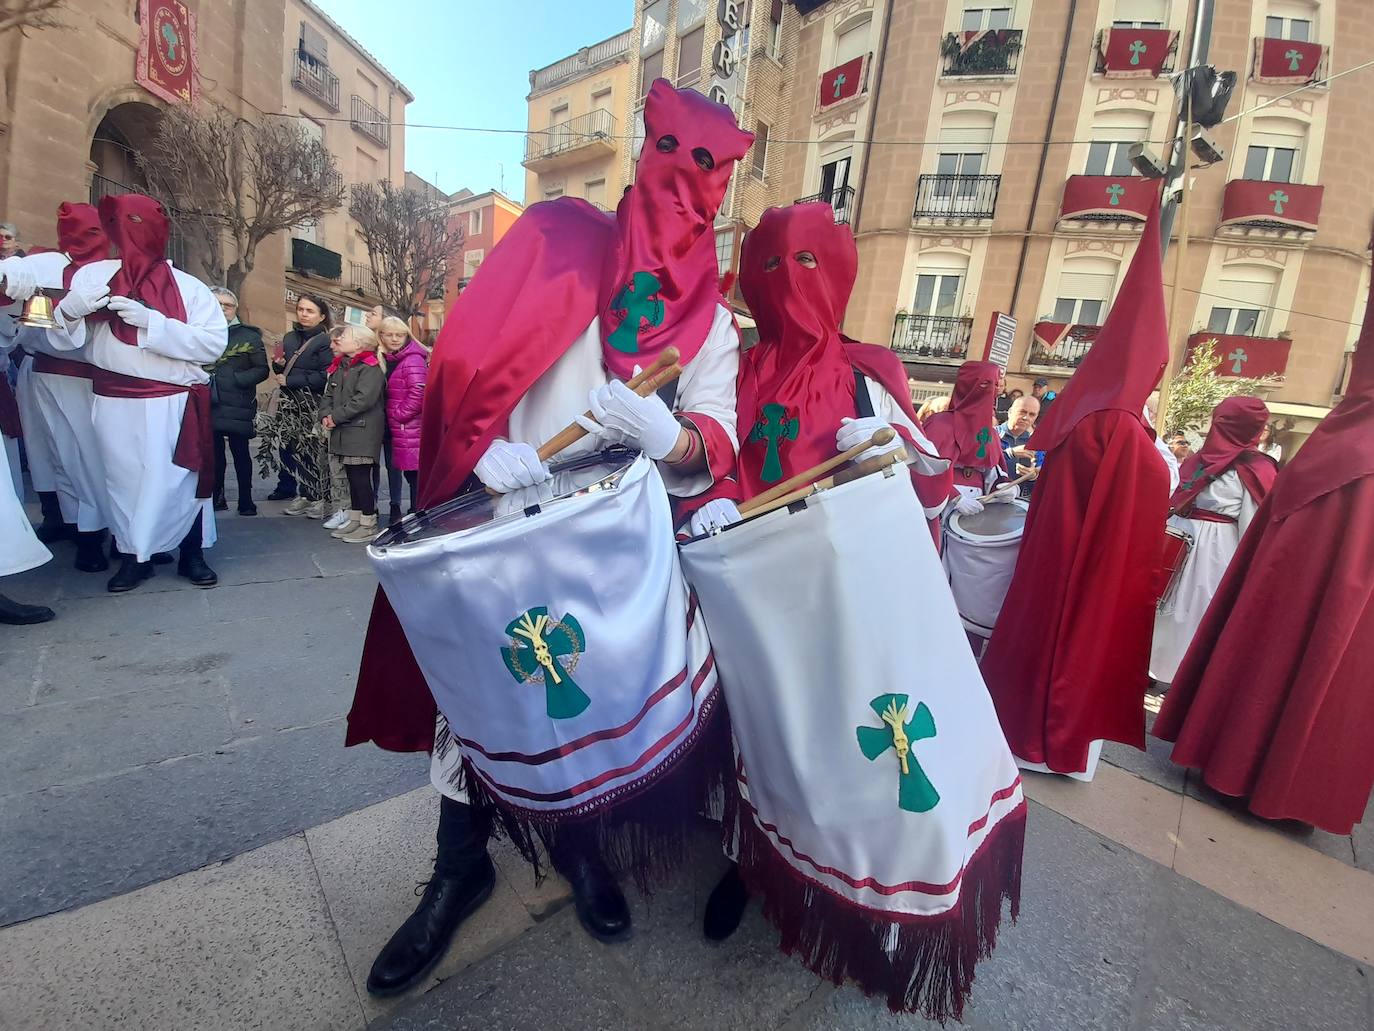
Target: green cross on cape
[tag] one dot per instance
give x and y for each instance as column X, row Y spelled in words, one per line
column 546, row 651
column 984, row 438
column 641, row 303
column 774, row 427
column 915, row 792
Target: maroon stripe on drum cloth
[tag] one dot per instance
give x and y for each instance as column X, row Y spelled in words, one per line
column 868, row 883
column 602, row 779
column 609, row 734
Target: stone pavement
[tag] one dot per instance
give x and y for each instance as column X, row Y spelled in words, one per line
column 173, row 791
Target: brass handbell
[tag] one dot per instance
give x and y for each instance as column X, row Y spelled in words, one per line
column 38, row 312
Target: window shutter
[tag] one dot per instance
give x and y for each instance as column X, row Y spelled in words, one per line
column 314, row 44
column 775, row 12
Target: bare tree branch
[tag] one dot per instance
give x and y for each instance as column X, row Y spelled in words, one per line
column 31, row 14
column 410, row 239
column 237, row 182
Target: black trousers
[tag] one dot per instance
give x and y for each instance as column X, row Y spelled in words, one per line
column 243, row 464
column 362, row 496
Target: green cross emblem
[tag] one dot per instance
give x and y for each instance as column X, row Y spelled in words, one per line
column 545, row 651
column 1279, row 199
column 774, row 427
column 984, row 438
column 1115, row 192
column 1238, row 358
column 840, row 80
column 641, row 303
column 915, row 792
column 1293, row 56
column 1138, row 49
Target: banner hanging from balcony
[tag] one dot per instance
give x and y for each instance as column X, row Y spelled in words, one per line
column 1271, row 205
column 1244, row 356
column 1126, row 198
column 166, row 61
column 1288, row 61
column 1060, row 344
column 841, row 83
column 1135, row 53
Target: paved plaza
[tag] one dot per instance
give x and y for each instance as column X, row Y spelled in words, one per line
column 186, row 844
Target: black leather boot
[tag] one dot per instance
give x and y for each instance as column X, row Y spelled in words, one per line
column 15, row 614
column 463, row 879
column 725, row 907
column 192, row 562
column 600, row 904
column 52, row 528
column 90, row 551
column 220, row 504
column 130, row 574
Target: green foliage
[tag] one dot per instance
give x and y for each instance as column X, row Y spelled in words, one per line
column 295, row 423
column 1198, row 389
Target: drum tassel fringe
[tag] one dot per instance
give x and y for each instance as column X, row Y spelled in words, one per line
column 921, row 964
column 644, row 834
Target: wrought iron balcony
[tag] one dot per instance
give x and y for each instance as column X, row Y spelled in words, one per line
column 1055, row 346
column 956, row 196
column 981, row 53
column 369, row 121
column 360, row 278
column 312, row 77
column 571, row 140
column 842, row 200
column 942, row 339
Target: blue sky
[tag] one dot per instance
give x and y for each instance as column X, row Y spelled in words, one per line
column 468, row 63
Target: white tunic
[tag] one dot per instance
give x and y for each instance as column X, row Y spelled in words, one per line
column 152, row 500
column 1213, row 546
column 19, row 548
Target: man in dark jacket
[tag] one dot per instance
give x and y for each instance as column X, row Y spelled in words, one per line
column 302, row 373
column 234, row 383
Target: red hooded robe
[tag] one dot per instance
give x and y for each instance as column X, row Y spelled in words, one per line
column 1067, row 663
column 1231, row 444
column 1273, row 701
column 563, row 263
column 966, row 431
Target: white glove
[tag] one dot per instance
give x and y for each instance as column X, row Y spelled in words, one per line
column 83, row 299
column 620, row 415
column 1006, row 493
column 714, row 515
column 967, row 502
column 20, row 281
column 854, row 432
column 506, row 467
column 138, row 315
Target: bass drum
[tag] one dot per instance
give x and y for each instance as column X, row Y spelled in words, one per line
column 979, row 556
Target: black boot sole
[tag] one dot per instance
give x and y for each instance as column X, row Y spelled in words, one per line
column 478, row 901
column 603, row 937
column 126, row 588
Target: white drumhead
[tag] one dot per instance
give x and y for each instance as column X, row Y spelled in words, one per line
column 999, row 523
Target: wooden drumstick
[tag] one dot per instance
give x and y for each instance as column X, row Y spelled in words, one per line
column 881, row 438
column 844, row 476
column 1014, row 483
column 646, row 383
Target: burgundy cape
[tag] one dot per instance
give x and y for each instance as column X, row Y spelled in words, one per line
column 1274, row 701
column 1231, row 444
column 537, row 291
column 966, row 431
column 1068, row 660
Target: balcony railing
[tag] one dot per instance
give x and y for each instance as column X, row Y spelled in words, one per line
column 842, row 200
column 595, row 128
column 1054, row 348
column 985, row 52
column 580, row 63
column 369, row 121
column 360, row 278
column 312, row 77
column 956, row 196
column 931, row 338
column 102, row 186
column 316, row 260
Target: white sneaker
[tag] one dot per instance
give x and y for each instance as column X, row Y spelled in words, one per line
column 336, row 520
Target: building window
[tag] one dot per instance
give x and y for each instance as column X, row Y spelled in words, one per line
column 775, row 30
column 1242, row 302
column 1110, row 158
column 760, row 149
column 553, row 193
column 979, row 18
column 689, row 12
column 689, row 51
column 1084, row 294
column 725, row 250
column 852, row 43
column 475, row 222
column 1140, row 14
column 835, row 175
column 1297, row 29
column 965, row 140
column 365, row 165
column 595, row 192
column 472, row 261
column 652, row 43
column 601, row 99
column 1113, row 136
column 1275, row 151
column 938, row 293
column 314, row 44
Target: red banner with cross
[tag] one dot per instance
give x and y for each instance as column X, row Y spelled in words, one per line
column 166, row 61
column 841, row 83
column 1244, row 356
column 1127, row 197
column 1289, row 60
column 1253, row 200
column 1135, row 53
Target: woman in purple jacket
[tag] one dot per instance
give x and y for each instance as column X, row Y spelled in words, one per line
column 406, row 365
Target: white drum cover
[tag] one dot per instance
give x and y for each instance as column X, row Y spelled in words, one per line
column 833, row 626
column 560, row 646
column 980, row 565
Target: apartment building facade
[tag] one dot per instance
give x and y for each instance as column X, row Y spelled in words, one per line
column 579, row 111
column 345, row 98
column 483, row 218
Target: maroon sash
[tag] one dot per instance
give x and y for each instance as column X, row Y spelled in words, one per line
column 195, row 442
column 1206, row 515
column 62, row 366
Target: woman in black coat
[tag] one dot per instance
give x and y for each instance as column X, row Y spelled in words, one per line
column 302, row 373
column 234, row 380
